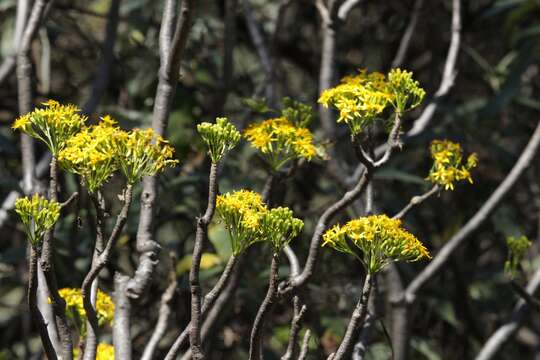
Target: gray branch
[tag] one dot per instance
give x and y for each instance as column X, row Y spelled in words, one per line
column 357, row 319
column 164, row 313
column 506, row 331
column 449, row 72
column 502, row 190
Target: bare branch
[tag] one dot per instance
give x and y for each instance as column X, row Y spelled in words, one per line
column 195, row 286
column 449, row 72
column 47, row 266
column 357, row 319
column 164, row 312
column 168, row 78
column 321, row 226
column 345, row 8
column 505, row 332
column 447, row 250
column 32, row 304
column 209, row 300
column 262, row 51
column 9, row 62
column 416, row 200
column 98, row 263
column 407, row 35
column 255, row 344
column 216, row 310
column 103, row 75
column 305, row 345
column 292, row 347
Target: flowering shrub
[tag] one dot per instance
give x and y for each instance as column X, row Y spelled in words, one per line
column 219, row 137
column 74, row 303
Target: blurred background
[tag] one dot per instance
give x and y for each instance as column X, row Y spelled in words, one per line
column 240, row 52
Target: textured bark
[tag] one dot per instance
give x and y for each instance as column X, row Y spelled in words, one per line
column 255, row 345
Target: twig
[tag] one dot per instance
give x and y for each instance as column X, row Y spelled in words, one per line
column 321, row 226
column 209, row 300
column 305, row 345
column 172, row 52
column 449, row 72
column 262, row 51
column 255, row 344
column 164, row 312
column 405, row 42
column 292, row 347
column 24, row 88
column 508, row 329
column 345, row 8
column 46, row 263
column 357, row 318
column 195, row 286
column 99, row 263
column 446, row 252
column 32, row 304
column 217, row 309
column 102, row 77
column 528, row 298
column 416, row 200
column 408, row 296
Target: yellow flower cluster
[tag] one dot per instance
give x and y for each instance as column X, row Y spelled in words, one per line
column 104, row 352
column 53, row 124
column 248, row 220
column 89, row 153
column 37, row 215
column 380, row 239
column 279, row 226
column 98, row 151
column 280, row 141
column 241, row 211
column 406, row 92
column 361, row 99
column 142, row 153
column 74, row 302
column 517, row 247
column 447, row 164
column 219, row 137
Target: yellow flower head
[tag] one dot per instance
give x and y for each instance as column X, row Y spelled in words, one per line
column 219, row 137
column 407, row 93
column 142, row 153
column 37, row 215
column 104, row 352
column 517, row 248
column 74, row 303
column 54, row 124
column 242, row 212
column 380, row 239
column 361, row 99
column 91, row 153
column 279, row 227
column 280, row 141
column 447, row 164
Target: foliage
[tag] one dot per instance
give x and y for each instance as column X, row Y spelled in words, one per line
column 517, row 248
